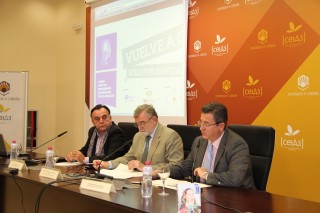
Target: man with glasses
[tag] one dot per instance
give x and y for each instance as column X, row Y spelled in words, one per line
column 219, row 156
column 103, row 138
column 154, row 142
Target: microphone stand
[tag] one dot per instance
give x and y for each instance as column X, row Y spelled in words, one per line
column 30, row 161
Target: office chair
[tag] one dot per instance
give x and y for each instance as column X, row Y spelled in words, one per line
column 261, row 141
column 187, row 133
column 129, row 131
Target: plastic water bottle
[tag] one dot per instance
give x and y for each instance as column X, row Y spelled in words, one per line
column 146, row 186
column 14, row 151
column 49, row 158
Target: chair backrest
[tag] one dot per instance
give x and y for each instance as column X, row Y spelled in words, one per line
column 129, row 130
column 187, row 133
column 261, row 140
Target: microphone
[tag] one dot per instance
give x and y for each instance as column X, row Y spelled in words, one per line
column 29, row 161
column 101, row 176
column 48, row 141
column 194, row 159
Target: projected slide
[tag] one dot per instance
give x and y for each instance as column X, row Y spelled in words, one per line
column 139, row 56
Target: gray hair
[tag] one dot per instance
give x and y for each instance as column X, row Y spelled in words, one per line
column 148, row 108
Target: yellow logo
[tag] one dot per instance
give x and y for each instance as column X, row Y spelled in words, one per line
column 262, row 36
column 251, row 81
column 3, row 109
column 292, row 28
column 252, row 91
column 226, row 86
column 293, row 37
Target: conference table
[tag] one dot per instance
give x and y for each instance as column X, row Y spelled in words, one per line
column 69, row 197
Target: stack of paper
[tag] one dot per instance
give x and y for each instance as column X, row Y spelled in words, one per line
column 121, row 172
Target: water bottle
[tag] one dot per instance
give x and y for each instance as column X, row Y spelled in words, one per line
column 146, row 186
column 49, row 158
column 14, row 151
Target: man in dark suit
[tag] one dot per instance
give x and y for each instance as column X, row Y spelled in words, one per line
column 103, row 138
column 219, row 156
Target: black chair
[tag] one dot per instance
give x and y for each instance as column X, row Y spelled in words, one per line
column 128, row 129
column 187, row 133
column 261, row 140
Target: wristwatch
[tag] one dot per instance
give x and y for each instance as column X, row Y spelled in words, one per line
column 205, row 174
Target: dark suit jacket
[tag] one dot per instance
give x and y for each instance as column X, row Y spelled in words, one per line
column 114, row 140
column 232, row 165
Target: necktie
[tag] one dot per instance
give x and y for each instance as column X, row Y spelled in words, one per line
column 146, row 149
column 208, row 161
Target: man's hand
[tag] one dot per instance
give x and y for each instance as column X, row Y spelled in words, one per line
column 103, row 164
column 201, row 172
column 75, row 155
column 135, row 164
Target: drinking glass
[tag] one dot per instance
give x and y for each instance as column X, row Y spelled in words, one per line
column 164, row 173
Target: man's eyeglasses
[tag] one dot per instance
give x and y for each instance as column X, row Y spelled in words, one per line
column 206, row 124
column 141, row 123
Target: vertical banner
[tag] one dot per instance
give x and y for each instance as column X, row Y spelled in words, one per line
column 13, row 107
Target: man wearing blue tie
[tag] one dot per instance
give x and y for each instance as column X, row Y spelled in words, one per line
column 219, row 156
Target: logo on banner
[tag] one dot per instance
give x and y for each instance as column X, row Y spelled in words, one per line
column 294, row 36
column 193, row 11
column 228, row 5
column 220, row 48
column 4, row 117
column 303, row 84
column 197, row 48
column 191, row 92
column 252, row 2
column 252, row 90
column 226, row 88
column 262, row 38
column 4, row 88
column 291, row 140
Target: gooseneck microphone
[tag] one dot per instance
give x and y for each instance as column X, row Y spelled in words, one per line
column 31, row 149
column 29, row 161
column 194, row 159
column 101, row 176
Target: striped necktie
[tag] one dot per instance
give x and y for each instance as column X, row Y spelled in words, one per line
column 146, row 149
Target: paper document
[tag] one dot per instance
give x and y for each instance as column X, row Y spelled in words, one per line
column 172, row 183
column 68, row 164
column 121, row 172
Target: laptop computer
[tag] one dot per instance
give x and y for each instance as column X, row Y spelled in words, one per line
column 3, row 150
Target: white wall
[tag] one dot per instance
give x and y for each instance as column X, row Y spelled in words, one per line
column 38, row 36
